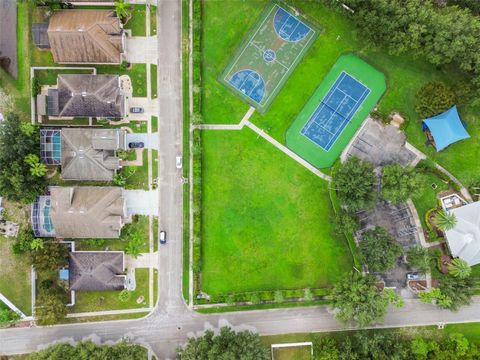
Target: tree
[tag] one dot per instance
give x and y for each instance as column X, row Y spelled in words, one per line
column 459, row 268
column 379, row 250
column 354, row 183
column 135, row 243
column 124, row 296
column 89, row 350
column 356, row 299
column 24, row 241
column 399, row 183
column 119, row 179
column 434, row 98
column 459, row 291
column 227, row 344
column 50, row 307
column 419, row 257
column 122, row 9
column 17, row 140
column 8, row 317
column 36, row 244
column 50, row 257
column 445, row 220
column 345, row 223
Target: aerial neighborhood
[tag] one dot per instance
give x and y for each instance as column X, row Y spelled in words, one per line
column 257, row 179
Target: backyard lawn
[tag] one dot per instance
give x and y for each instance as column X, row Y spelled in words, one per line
column 265, row 219
column 88, row 301
column 226, row 23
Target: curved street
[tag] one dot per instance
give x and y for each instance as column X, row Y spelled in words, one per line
column 168, row 326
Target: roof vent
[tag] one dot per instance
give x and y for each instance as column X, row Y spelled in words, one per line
column 84, row 93
column 468, row 238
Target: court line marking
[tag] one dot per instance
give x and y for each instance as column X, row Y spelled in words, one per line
column 330, row 92
column 250, row 42
column 300, row 21
column 244, row 93
column 261, row 51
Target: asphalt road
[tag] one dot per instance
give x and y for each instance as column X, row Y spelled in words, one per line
column 172, row 322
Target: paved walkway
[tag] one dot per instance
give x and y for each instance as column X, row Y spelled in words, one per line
column 138, row 160
column 108, row 312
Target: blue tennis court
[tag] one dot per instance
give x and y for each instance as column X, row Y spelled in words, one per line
column 335, row 111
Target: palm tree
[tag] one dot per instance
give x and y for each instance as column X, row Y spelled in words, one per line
column 122, row 9
column 445, row 220
column 38, row 169
column 459, row 268
column 36, row 244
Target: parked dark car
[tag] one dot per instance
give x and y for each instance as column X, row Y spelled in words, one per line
column 136, row 110
column 136, row 145
column 163, row 237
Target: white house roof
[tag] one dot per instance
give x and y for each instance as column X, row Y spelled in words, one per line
column 464, row 238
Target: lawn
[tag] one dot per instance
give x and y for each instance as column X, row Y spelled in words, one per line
column 137, row 73
column 426, row 199
column 88, row 301
column 153, row 69
column 265, row 219
column 225, row 25
column 15, row 269
column 293, row 353
column 137, row 176
column 137, row 22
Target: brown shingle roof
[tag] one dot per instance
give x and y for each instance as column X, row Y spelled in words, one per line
column 96, row 270
column 88, row 212
column 89, row 154
column 85, row 36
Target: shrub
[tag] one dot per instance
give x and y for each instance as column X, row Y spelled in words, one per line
column 434, row 98
column 36, row 88
column 124, row 296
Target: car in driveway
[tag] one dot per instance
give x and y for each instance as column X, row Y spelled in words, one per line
column 136, row 145
column 413, row 276
column 137, row 110
column 178, row 162
column 163, row 237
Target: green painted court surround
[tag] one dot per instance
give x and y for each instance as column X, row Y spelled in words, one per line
column 361, row 71
column 250, row 56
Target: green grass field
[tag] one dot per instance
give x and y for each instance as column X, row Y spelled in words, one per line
column 265, row 219
column 292, row 353
column 309, row 150
column 266, row 58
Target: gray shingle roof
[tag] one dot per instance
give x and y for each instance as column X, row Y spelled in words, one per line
column 88, row 211
column 93, row 270
column 89, row 154
column 89, row 96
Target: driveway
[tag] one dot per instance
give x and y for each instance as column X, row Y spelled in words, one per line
column 149, row 140
column 142, row 49
column 141, row 202
column 150, row 108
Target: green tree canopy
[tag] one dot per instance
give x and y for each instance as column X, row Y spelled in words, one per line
column 356, row 299
column 434, row 98
column 18, row 140
column 50, row 307
column 399, row 183
column 354, row 183
column 227, row 344
column 419, row 257
column 50, row 257
column 379, row 250
column 91, row 351
column 445, row 220
column 459, row 268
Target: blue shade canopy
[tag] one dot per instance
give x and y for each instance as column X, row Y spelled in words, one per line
column 446, row 128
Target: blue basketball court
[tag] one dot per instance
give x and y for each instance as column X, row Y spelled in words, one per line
column 335, row 111
column 268, row 56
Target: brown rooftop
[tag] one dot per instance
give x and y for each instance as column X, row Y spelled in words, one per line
column 88, row 212
column 86, row 36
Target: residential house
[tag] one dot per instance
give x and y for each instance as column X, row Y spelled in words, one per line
column 80, row 213
column 82, row 37
column 83, row 153
column 83, row 95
